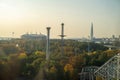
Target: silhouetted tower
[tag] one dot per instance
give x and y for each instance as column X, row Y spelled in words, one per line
column 48, row 43
column 62, row 39
column 91, row 33
column 13, row 34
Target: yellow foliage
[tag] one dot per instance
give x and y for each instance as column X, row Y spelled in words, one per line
column 22, row 55
column 39, row 53
column 98, row 78
column 94, row 52
column 2, row 62
column 53, row 69
column 68, row 67
column 76, row 60
column 110, row 53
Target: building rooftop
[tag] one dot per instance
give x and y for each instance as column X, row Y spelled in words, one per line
column 33, row 36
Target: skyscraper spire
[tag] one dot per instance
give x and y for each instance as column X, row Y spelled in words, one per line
column 91, row 33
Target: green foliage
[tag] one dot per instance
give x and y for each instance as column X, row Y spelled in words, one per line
column 72, row 47
column 8, row 49
column 34, row 66
column 9, row 68
column 31, row 64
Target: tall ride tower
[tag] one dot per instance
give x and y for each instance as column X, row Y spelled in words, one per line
column 62, row 39
column 48, row 44
column 91, row 32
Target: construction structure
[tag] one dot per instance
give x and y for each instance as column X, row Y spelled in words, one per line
column 110, row 70
column 62, row 39
column 87, row 73
column 48, row 44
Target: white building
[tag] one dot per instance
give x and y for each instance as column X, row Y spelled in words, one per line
column 34, row 36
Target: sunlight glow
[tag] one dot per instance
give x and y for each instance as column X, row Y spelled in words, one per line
column 10, row 12
column 36, row 15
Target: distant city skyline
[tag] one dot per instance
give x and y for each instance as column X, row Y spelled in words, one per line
column 22, row 16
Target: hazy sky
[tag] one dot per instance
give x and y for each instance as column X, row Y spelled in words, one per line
column 22, row 16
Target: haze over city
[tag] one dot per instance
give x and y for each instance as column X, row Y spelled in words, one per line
column 22, row 16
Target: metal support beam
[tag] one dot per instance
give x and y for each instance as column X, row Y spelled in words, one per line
column 111, row 69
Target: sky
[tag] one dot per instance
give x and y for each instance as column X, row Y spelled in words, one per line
column 22, row 16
